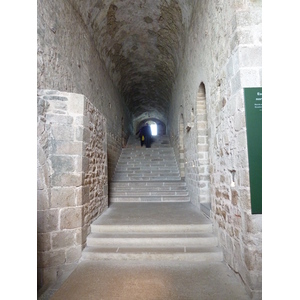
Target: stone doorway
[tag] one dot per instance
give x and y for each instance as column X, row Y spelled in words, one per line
column 202, row 150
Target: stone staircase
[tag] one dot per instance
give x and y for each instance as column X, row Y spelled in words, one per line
column 147, row 174
column 150, row 216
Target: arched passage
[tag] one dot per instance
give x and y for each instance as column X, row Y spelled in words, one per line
column 161, row 126
column 202, row 149
column 181, row 147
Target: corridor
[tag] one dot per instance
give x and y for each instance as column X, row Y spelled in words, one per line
column 146, row 248
column 105, row 68
column 149, row 277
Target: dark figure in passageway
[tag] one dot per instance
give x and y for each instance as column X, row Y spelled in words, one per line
column 142, row 139
column 145, row 135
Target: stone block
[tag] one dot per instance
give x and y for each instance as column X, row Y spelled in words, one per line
column 59, row 119
column 81, row 121
column 55, row 98
column 41, row 155
column 57, row 108
column 76, row 104
column 47, row 220
column 82, row 195
column 46, row 276
column 62, row 132
column 62, row 163
column 71, row 218
column 73, row 254
column 63, row 239
column 243, row 178
column 234, row 197
column 43, row 242
column 250, row 77
column 245, row 201
column 67, row 179
column 68, row 147
column 253, row 258
column 51, row 258
column 63, row 197
column 82, row 134
column 42, row 199
column 40, row 180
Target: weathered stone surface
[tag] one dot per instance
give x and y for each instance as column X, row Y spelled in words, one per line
column 63, row 197
column 71, row 218
column 62, row 239
column 43, row 241
column 65, row 159
column 51, row 258
column 47, row 220
column 62, row 163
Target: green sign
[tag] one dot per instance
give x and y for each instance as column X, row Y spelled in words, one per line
column 253, row 108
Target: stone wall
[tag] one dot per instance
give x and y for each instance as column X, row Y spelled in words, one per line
column 72, row 179
column 67, row 60
column 223, row 52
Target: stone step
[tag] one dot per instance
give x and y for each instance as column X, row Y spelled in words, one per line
column 146, row 174
column 148, row 231
column 191, row 253
column 151, row 228
column 144, row 163
column 150, row 184
column 161, row 165
column 141, row 166
column 147, row 178
column 155, row 239
column 133, row 167
column 155, row 153
column 149, row 199
column 147, row 189
column 136, row 170
column 144, row 193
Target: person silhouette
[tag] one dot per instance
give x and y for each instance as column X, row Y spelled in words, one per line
column 145, row 135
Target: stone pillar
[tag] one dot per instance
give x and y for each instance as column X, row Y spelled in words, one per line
column 72, row 179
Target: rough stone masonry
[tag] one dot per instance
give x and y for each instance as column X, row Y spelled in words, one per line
column 72, row 178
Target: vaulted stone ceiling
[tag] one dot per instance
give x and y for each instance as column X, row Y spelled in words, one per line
column 141, row 43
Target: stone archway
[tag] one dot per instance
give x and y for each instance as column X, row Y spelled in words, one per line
column 202, row 150
column 181, row 147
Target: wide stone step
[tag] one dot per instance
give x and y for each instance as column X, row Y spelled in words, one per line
column 142, row 166
column 148, row 172
column 147, row 164
column 145, row 193
column 149, row 184
column 151, row 231
column 154, row 239
column 191, row 253
column 152, row 168
column 147, row 188
column 143, row 178
column 113, row 199
column 151, row 228
column 148, row 191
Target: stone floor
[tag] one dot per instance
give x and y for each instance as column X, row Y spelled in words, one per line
column 145, row 279
column 126, row 280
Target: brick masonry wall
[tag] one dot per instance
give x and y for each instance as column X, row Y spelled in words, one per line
column 72, row 178
column 223, row 51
